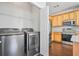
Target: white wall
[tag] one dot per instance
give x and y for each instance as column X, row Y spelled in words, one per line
column 35, row 18
column 44, row 31
column 19, row 15
column 15, row 15
column 27, row 22
column 39, row 4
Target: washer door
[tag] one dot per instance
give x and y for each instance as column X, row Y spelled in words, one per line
column 14, row 45
column 31, row 44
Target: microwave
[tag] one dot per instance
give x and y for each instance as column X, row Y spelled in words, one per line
column 69, row 23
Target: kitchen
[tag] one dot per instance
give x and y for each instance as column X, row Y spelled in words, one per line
column 64, row 19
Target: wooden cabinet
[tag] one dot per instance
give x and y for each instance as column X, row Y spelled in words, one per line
column 52, row 36
column 77, row 17
column 60, row 18
column 54, row 21
column 56, row 36
column 57, row 20
column 65, row 16
column 75, row 49
column 72, row 16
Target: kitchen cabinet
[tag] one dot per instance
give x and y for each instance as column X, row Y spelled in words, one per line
column 57, row 20
column 72, row 16
column 75, row 49
column 52, row 36
column 60, row 18
column 56, row 36
column 54, row 21
column 77, row 17
column 65, row 16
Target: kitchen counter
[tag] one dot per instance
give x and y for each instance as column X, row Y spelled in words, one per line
column 60, row 29
column 75, row 38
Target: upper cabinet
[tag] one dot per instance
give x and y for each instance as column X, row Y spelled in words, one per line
column 65, row 16
column 77, row 17
column 55, row 21
column 72, row 15
column 60, row 18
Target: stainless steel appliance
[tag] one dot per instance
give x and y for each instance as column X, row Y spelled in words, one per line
column 11, row 42
column 69, row 23
column 67, row 32
column 0, row 47
column 32, row 42
column 66, row 37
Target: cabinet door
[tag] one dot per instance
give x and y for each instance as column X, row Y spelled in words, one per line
column 72, row 15
column 75, row 49
column 77, row 17
column 52, row 36
column 58, row 37
column 60, row 20
column 54, row 21
column 65, row 16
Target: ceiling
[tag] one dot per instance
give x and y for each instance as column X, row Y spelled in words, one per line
column 55, row 7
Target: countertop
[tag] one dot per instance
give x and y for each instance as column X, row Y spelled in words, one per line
column 60, row 29
column 75, row 38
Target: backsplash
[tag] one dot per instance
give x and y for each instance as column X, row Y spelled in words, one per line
column 60, row 29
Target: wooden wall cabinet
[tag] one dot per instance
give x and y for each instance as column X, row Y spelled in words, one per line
column 54, row 21
column 57, row 20
column 65, row 16
column 72, row 16
column 77, row 17
column 60, row 18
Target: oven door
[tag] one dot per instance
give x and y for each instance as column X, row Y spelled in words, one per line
column 66, row 37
